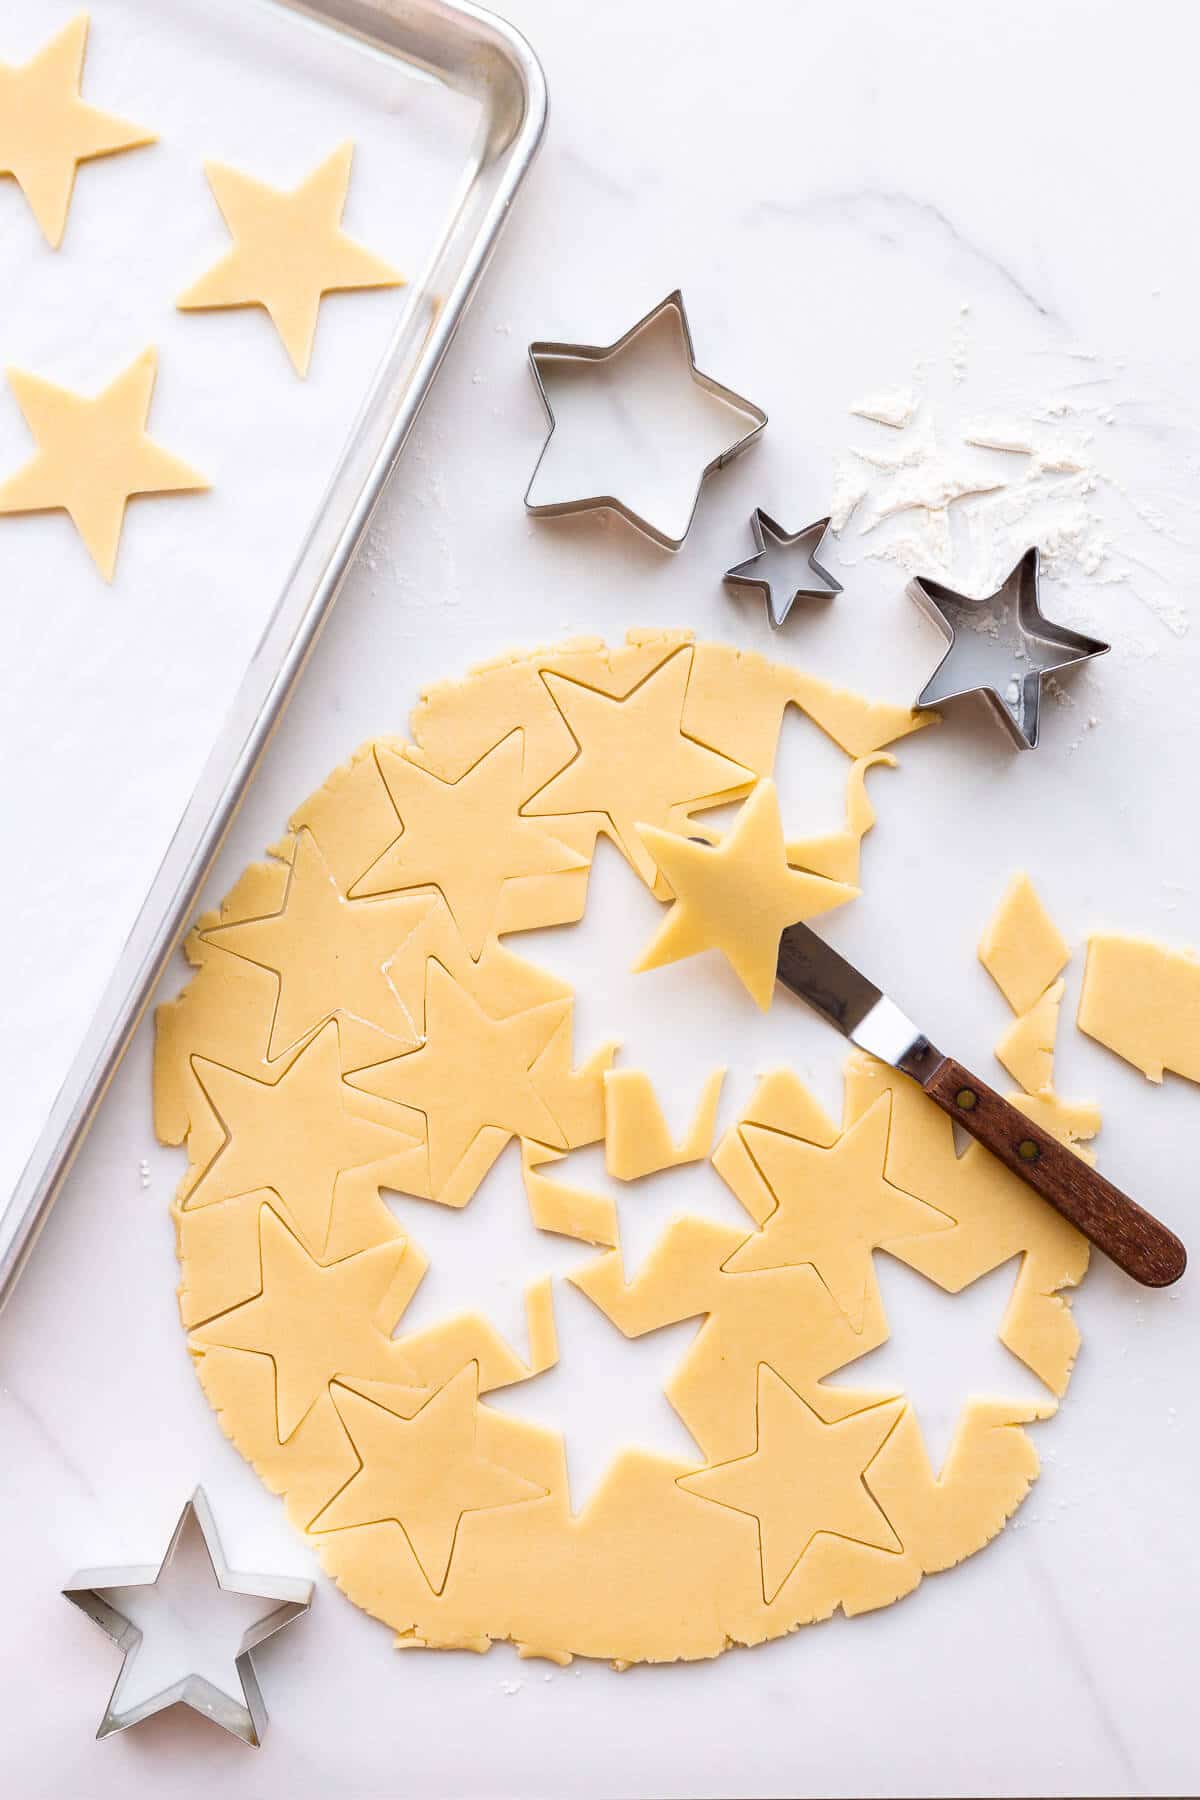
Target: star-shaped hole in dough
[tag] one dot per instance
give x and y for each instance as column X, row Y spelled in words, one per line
column 471, row 1073
column 423, row 1473
column 46, row 130
column 330, row 954
column 803, row 1477
column 288, row 251
column 736, row 896
column 635, row 764
column 465, row 837
column 295, row 1135
column 316, row 1324
column 93, row 456
column 834, row 1207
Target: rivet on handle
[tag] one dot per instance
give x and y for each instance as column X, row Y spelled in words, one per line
column 1028, row 1151
column 966, row 1098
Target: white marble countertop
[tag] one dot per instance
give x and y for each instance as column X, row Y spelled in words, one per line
column 984, row 204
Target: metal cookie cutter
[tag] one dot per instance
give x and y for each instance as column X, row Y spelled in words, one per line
column 546, row 358
column 245, row 1718
column 784, row 563
column 1000, row 647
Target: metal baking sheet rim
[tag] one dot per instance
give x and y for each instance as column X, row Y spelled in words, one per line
column 474, row 52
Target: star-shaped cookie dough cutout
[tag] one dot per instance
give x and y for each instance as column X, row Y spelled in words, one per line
column 288, row 251
column 317, row 1324
column 736, row 896
column 473, row 1071
column 46, row 130
column 635, row 762
column 295, row 1136
column 422, row 1473
column 784, row 566
column 331, row 954
column 803, row 1477
column 1001, row 647
column 645, row 428
column 464, row 837
column 835, row 1206
column 93, row 456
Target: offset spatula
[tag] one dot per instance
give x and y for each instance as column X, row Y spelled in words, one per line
column 1136, row 1242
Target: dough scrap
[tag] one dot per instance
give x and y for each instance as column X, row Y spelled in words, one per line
column 329, row 1048
column 289, row 250
column 736, row 895
column 93, row 456
column 47, row 130
column 1022, row 949
column 637, row 1140
column 1026, row 1048
column 1142, row 1001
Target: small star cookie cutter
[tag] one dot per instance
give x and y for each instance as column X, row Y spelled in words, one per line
column 1000, row 646
column 773, row 546
column 245, row 1718
column 547, row 352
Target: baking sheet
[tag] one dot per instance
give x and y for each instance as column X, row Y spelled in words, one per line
column 114, row 695
column 1059, row 1660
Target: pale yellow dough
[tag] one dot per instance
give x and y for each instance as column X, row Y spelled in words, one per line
column 1142, row 1000
column 1027, row 1047
column 288, row 251
column 47, row 130
column 93, row 455
column 1022, row 949
column 353, row 1025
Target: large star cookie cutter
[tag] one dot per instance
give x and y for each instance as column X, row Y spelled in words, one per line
column 1000, row 646
column 246, row 1717
column 633, row 437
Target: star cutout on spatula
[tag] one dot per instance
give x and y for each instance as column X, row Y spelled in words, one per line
column 422, row 1473
column 784, row 567
column 47, row 130
column 802, row 1478
column 289, row 250
column 93, row 456
column 736, row 896
column 646, row 426
column 1001, row 646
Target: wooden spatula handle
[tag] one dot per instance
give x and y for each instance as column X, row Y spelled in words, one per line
column 1136, row 1242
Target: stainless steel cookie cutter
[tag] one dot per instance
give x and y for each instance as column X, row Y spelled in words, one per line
column 1000, row 646
column 543, row 355
column 245, row 1718
column 772, row 567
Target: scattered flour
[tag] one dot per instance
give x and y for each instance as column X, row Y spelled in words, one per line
column 891, row 406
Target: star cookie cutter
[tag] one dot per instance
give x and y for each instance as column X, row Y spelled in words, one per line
column 547, row 352
column 1000, row 646
column 245, row 1718
column 772, row 546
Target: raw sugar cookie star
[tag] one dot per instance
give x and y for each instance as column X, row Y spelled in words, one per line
column 316, row 1323
column 802, row 1478
column 422, row 1473
column 46, row 130
column 736, row 896
column 473, row 1071
column 288, row 251
column 93, row 456
column 835, row 1206
column 635, row 761
column 295, row 1135
column 465, row 837
column 330, row 954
